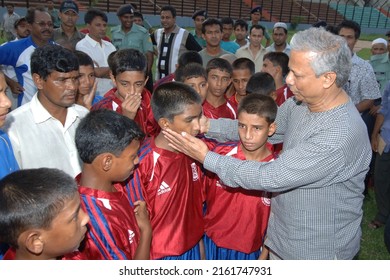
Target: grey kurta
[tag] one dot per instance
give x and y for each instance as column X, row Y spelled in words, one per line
column 317, row 181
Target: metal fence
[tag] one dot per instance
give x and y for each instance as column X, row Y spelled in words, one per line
column 368, row 13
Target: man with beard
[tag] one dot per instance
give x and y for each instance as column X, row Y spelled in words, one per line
column 279, row 35
column 42, row 131
column 67, row 34
column 18, row 53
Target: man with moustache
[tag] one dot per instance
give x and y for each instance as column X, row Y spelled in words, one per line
column 42, row 131
column 67, row 34
column 18, row 53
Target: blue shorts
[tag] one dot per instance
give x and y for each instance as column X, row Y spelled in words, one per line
column 213, row 252
column 191, row 254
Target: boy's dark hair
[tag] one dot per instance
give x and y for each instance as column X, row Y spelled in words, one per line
column 105, row 131
column 32, row 198
column 92, row 13
column 127, row 60
column 278, row 59
column 261, row 83
column 352, row 25
column 243, row 63
column 242, row 23
column 169, row 8
column 84, row 59
column 191, row 70
column 227, row 20
column 220, row 64
column 171, row 99
column 30, row 15
column 138, row 15
column 49, row 58
column 261, row 105
column 189, row 57
column 257, row 26
column 209, row 22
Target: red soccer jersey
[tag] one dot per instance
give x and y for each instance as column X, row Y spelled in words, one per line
column 233, row 101
column 144, row 117
column 282, row 94
column 226, row 110
column 113, row 232
column 172, row 186
column 236, row 219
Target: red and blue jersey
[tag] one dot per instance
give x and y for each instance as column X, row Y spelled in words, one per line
column 236, row 219
column 144, row 117
column 172, row 186
column 113, row 232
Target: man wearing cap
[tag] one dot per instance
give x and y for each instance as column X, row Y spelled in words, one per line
column 199, row 17
column 279, row 35
column 171, row 41
column 380, row 62
column 7, row 24
column 131, row 36
column 67, row 34
column 255, row 19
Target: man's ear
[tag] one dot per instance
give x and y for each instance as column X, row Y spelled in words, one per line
column 329, row 79
column 32, row 241
column 112, row 78
column 38, row 81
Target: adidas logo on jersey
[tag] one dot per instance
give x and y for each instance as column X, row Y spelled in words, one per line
column 195, row 175
column 164, row 188
column 131, row 236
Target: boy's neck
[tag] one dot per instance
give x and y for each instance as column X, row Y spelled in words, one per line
column 257, row 155
column 95, row 180
column 215, row 101
column 161, row 142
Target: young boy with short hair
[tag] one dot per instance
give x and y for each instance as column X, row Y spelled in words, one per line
column 261, row 83
column 129, row 97
column 243, row 69
column 194, row 75
column 276, row 64
column 119, row 229
column 40, row 214
column 236, row 219
column 86, row 94
column 219, row 73
column 172, row 182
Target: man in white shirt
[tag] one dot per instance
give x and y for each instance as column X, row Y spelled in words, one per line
column 97, row 48
column 7, row 25
column 254, row 50
column 279, row 35
column 42, row 131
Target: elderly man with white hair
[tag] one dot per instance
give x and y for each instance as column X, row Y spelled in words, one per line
column 380, row 62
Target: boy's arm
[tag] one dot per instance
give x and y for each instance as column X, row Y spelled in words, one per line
column 142, row 217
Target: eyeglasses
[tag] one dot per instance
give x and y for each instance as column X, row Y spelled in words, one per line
column 43, row 24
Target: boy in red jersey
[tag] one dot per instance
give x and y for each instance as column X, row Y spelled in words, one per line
column 119, row 229
column 194, row 75
column 171, row 182
column 243, row 69
column 45, row 221
column 276, row 64
column 219, row 73
column 236, row 219
column 129, row 97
